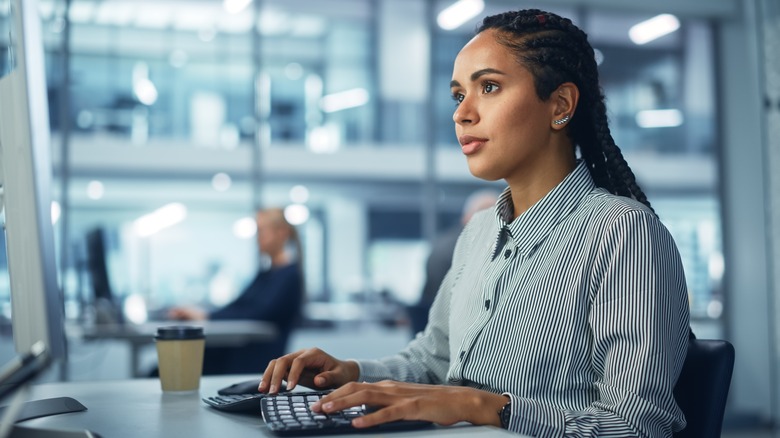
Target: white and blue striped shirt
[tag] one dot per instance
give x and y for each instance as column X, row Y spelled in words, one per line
column 577, row 309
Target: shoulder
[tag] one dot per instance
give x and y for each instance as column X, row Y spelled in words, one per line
column 617, row 220
column 602, row 208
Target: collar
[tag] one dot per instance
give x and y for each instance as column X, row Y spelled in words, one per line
column 532, row 227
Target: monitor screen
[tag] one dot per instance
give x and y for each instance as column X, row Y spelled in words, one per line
column 26, row 178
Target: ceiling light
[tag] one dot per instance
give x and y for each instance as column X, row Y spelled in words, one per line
column 160, row 219
column 344, row 100
column 458, row 13
column 296, row 214
column 235, row 6
column 95, row 190
column 656, row 27
column 245, row 228
column 666, row 118
column 221, row 182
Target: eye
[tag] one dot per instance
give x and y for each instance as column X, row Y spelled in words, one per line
column 457, row 97
column 489, row 87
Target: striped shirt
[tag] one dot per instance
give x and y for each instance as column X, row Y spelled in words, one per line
column 577, row 310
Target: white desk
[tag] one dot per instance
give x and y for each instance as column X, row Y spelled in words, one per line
column 138, row 408
column 218, row 334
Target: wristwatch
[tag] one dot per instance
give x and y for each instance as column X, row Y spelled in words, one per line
column 505, row 413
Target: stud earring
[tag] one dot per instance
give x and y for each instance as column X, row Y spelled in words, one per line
column 563, row 120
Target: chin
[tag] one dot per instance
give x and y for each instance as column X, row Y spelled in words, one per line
column 483, row 172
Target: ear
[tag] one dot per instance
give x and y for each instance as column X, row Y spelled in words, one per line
column 564, row 100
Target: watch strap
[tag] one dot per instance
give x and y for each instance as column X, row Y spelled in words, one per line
column 505, row 413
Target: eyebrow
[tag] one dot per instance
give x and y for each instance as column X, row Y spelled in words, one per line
column 477, row 74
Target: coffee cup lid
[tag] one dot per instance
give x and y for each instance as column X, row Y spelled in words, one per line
column 179, row 332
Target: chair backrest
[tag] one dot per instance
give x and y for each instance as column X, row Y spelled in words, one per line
column 703, row 387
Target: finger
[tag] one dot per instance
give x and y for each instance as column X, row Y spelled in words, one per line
column 266, row 379
column 354, row 394
column 279, row 373
column 312, row 362
column 297, row 368
column 338, row 394
column 325, row 379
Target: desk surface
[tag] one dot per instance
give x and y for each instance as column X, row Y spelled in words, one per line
column 218, row 333
column 138, row 408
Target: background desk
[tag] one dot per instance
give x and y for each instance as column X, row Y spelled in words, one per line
column 138, row 408
column 228, row 333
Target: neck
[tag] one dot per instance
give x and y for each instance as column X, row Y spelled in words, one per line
column 533, row 185
column 280, row 259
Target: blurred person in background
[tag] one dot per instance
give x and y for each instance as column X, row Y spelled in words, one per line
column 275, row 295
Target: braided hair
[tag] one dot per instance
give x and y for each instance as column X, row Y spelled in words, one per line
column 556, row 51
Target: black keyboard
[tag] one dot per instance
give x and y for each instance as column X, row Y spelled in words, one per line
column 290, row 415
column 236, row 402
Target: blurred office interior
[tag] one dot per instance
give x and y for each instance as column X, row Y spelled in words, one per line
column 196, row 112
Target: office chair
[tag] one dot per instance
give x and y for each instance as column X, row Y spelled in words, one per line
column 703, row 387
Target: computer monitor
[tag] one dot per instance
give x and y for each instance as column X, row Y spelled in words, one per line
column 37, row 311
column 36, row 300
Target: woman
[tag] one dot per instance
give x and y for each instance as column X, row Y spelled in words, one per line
column 275, row 295
column 565, row 310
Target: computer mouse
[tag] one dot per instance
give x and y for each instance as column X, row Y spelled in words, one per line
column 245, row 387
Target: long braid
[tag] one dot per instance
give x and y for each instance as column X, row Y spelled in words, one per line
column 557, row 51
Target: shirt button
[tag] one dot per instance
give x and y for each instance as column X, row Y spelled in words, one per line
column 507, row 253
column 487, row 304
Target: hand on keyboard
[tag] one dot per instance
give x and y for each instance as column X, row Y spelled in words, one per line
column 290, row 414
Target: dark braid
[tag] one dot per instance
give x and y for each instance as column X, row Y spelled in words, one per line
column 557, row 51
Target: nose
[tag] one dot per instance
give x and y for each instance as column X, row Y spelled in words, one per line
column 465, row 113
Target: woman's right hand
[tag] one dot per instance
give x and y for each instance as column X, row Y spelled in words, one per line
column 312, row 367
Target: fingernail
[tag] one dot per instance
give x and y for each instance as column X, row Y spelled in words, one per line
column 262, row 385
column 316, row 407
column 328, row 406
column 357, row 422
column 273, row 388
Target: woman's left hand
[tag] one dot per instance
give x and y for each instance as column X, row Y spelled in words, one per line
column 440, row 404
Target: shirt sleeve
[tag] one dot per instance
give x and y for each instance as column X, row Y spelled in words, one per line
column 639, row 322
column 426, row 358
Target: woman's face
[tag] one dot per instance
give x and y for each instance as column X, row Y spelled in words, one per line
column 271, row 236
column 502, row 125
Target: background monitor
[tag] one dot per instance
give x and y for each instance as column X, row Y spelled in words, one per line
column 26, row 178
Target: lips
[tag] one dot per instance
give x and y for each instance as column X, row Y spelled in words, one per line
column 470, row 144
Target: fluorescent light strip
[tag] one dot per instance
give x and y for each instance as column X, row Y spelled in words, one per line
column 666, row 118
column 458, row 13
column 654, row 28
column 160, row 219
column 235, row 6
column 343, row 100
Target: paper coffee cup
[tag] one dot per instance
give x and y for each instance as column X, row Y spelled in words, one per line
column 180, row 357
